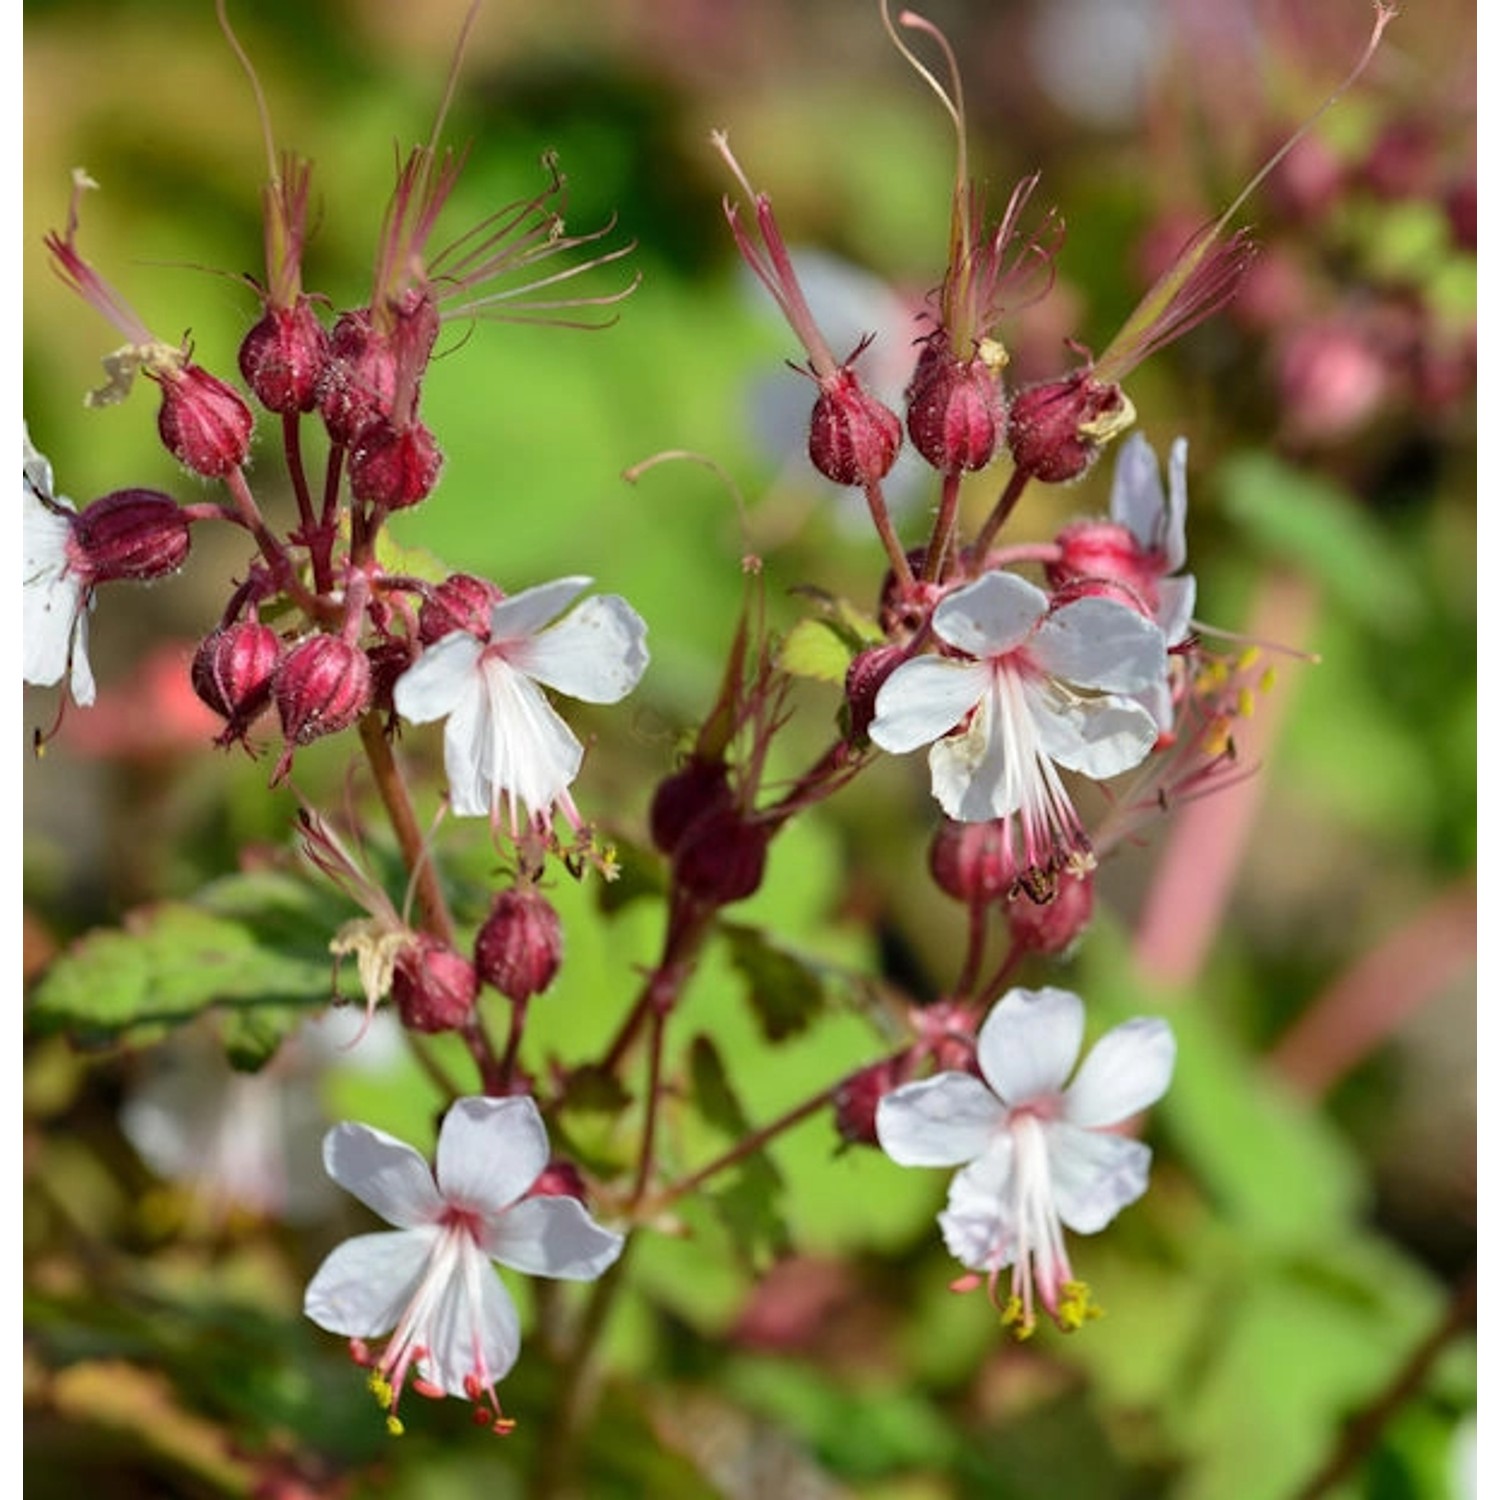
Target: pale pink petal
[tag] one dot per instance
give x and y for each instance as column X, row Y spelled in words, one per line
column 923, row 699
column 596, row 653
column 1094, row 1175
column 1136, row 501
column 441, row 678
column 553, row 1236
column 990, row 616
column 383, row 1173
column 473, row 1329
column 1097, row 737
column 938, row 1122
column 1029, row 1043
column 522, row 615
column 364, row 1286
column 1100, row 643
column 489, row 1152
column 1128, row 1069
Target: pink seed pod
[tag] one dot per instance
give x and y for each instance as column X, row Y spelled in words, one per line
column 853, row 438
column 1056, row 428
column 233, row 671
column 519, row 949
column 973, row 862
column 322, row 686
column 204, row 423
column 1052, row 926
column 433, row 987
column 460, row 602
column 128, row 534
column 283, row 356
column 955, row 409
column 394, row 466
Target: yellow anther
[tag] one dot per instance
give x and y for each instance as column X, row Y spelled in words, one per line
column 1076, row 1307
column 381, row 1389
column 1109, row 424
column 993, row 355
column 1267, row 680
column 1245, row 703
column 1247, row 658
column 395, row 1426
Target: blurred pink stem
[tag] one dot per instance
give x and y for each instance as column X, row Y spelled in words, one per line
column 1377, row 994
column 1201, row 857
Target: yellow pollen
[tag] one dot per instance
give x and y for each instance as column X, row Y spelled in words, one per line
column 1111, row 424
column 381, row 1389
column 395, row 1426
column 1013, row 1316
column 1247, row 658
column 1267, row 680
column 993, row 355
column 1245, row 703
column 1217, row 741
column 1076, row 1307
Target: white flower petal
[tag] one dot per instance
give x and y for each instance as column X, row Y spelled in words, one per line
column 1135, row 498
column 363, row 1286
column 1173, row 538
column 978, row 1224
column 440, row 679
column 1097, row 737
column 523, row 615
column 1100, row 643
column 990, row 616
column 35, row 469
column 1094, row 1175
column 1175, row 598
column 514, row 744
column 489, row 1152
column 938, row 1122
column 385, row 1174
column 1029, row 1043
column 983, row 773
column 923, row 699
column 596, row 653
column 1128, row 1069
column 553, row 1236
column 473, row 1330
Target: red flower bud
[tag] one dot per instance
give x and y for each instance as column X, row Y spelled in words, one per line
column 1057, row 428
column 955, row 409
column 519, row 949
column 1051, row 926
column 358, row 383
column 854, row 438
column 858, row 1096
column 863, row 681
column 394, row 466
column 388, row 660
column 699, row 788
column 974, row 862
column 204, row 423
column 433, row 987
column 322, row 686
column 722, row 856
column 233, row 670
column 559, row 1179
column 136, row 534
column 460, row 602
column 282, row 358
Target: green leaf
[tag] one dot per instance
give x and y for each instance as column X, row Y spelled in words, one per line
column 167, row 965
column 1321, row 527
column 822, row 647
column 786, row 992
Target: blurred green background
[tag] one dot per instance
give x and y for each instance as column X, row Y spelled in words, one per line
column 1311, row 1218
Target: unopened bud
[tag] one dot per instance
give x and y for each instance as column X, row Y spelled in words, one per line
column 866, row 674
column 137, row 534
column 233, row 671
column 388, row 660
column 955, row 409
column 460, row 602
column 859, row 1095
column 433, row 987
column 696, row 790
column 394, row 466
column 1057, row 428
column 559, row 1179
column 204, row 423
column 282, row 358
column 853, row 438
column 974, row 862
column 322, row 686
column 722, row 856
column 1052, row 926
column 358, row 383
column 519, row 949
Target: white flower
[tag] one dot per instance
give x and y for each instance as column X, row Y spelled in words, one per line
column 429, row 1282
column 55, row 597
column 1158, row 522
column 1039, row 1155
column 503, row 738
column 1017, row 699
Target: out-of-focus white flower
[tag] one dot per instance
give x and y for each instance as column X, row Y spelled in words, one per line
column 1037, row 1153
column 1034, row 689
column 503, row 739
column 428, row 1282
column 55, row 596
